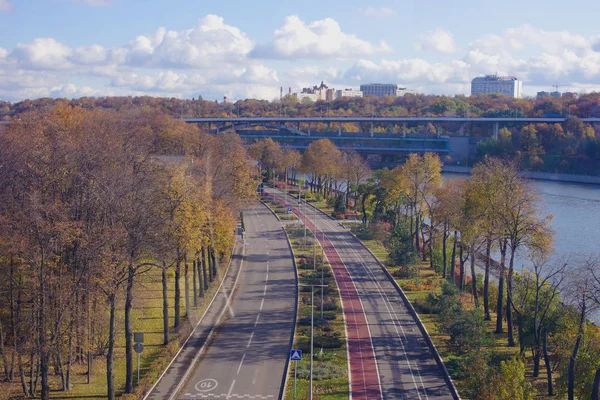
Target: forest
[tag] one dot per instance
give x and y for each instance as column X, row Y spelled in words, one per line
column 93, row 203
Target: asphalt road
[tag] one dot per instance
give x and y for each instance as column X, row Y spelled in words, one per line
column 406, row 368
column 247, row 356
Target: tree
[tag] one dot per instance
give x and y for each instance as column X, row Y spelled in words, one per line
column 513, row 385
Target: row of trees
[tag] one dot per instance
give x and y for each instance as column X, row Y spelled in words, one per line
column 328, row 170
column 491, row 105
column 90, row 200
column 496, row 210
column 454, row 226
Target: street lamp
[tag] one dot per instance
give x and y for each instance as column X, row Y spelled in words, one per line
column 312, row 329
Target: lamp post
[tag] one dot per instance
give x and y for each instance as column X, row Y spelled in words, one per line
column 312, row 330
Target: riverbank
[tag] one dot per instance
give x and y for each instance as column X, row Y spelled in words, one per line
column 544, row 176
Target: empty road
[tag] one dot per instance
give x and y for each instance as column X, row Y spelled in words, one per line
column 405, row 366
column 248, row 355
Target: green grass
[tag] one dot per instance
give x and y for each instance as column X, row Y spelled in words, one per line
column 334, row 388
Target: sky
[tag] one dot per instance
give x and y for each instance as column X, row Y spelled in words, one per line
column 249, row 49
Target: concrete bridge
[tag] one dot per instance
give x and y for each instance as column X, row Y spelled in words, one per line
column 294, row 124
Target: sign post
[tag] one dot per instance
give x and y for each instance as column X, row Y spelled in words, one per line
column 295, row 356
column 138, row 347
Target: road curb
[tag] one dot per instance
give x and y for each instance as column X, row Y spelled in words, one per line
column 415, row 315
column 293, row 338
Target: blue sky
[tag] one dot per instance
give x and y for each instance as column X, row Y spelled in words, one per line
column 181, row 48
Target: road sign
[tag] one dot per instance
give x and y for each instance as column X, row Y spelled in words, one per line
column 295, row 355
column 138, row 337
column 138, row 347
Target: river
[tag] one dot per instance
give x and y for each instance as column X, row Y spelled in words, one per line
column 576, row 210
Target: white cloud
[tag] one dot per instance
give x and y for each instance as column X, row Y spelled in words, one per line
column 210, row 42
column 216, row 59
column 439, row 40
column 316, row 40
column 5, row 6
column 378, row 12
column 43, row 54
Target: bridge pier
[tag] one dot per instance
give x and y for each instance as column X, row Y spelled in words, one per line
column 404, row 130
column 372, row 129
column 309, row 129
column 439, row 131
column 496, row 129
column 339, row 129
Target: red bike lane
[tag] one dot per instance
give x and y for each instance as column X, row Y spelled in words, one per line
column 364, row 376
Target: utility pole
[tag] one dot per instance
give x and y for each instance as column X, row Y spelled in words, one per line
column 312, row 330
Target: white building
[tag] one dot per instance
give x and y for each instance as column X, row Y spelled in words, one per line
column 384, row 89
column 348, row 93
column 506, row 85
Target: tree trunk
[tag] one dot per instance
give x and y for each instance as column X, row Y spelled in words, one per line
column 417, row 244
column 486, row 280
column 43, row 350
column 509, row 319
column 500, row 303
column 177, row 299
column 596, row 389
column 200, row 280
column 444, row 256
column 204, row 272
column 453, row 259
column 69, row 356
column 537, row 358
column 423, row 248
column 547, row 363
column 213, row 256
column 474, row 278
column 165, row 305
column 186, row 287
column 3, row 353
column 26, row 391
column 128, row 331
column 571, row 378
column 195, row 284
column 461, row 282
column 110, row 379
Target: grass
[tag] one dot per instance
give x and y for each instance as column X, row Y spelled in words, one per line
column 147, row 318
column 331, row 361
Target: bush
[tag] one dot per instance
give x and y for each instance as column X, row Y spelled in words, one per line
column 339, row 206
column 329, row 340
column 401, row 249
column 320, row 372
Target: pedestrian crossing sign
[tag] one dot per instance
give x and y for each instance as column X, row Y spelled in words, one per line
column 295, row 355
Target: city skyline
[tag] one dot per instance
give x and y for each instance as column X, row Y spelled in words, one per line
column 177, row 48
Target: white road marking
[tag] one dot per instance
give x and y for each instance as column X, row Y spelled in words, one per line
column 250, row 340
column 230, row 389
column 262, row 303
column 256, row 322
column 241, row 362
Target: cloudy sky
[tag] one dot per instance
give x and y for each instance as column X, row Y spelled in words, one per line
column 244, row 48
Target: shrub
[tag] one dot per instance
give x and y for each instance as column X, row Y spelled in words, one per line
column 320, row 372
column 401, row 249
column 329, row 340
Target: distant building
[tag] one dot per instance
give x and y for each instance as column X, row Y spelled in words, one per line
column 542, row 94
column 506, row 85
column 384, row 89
column 320, row 91
column 348, row 93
